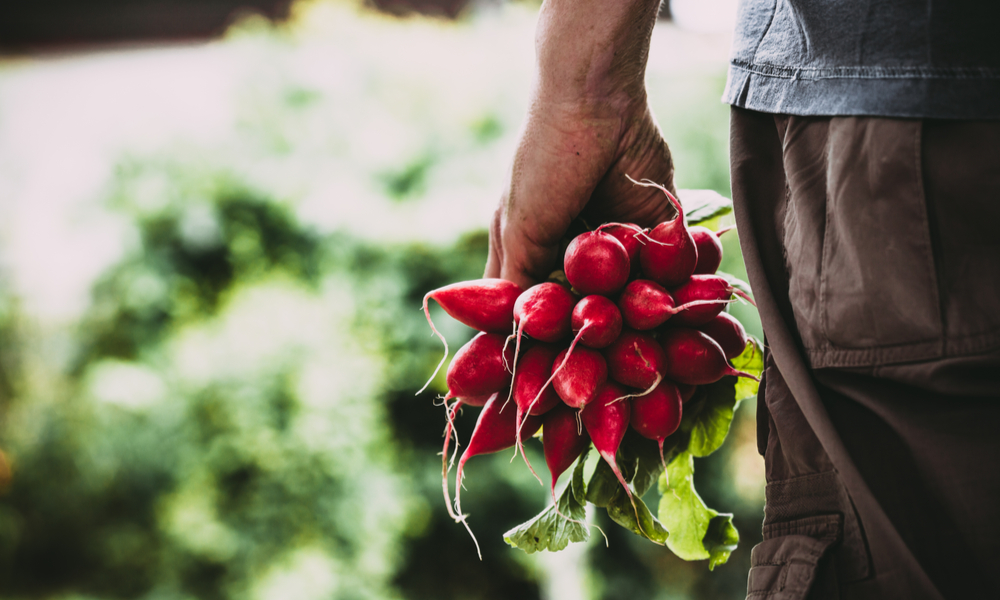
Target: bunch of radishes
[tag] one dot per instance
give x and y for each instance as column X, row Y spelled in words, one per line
column 642, row 326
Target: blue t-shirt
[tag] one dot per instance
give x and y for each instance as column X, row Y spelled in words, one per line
column 893, row 58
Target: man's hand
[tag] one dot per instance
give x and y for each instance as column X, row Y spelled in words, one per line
column 588, row 127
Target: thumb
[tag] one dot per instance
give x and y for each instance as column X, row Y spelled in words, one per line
column 514, row 256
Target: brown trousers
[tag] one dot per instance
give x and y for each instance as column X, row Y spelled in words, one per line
column 873, row 250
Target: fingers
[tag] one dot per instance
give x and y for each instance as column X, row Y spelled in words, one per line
column 529, row 265
column 515, row 257
column 567, row 162
column 645, row 155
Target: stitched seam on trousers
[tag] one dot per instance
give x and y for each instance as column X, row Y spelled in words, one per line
column 921, row 190
column 833, row 357
column 949, row 339
column 823, row 267
column 803, row 477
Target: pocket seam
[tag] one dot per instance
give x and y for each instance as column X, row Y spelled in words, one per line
column 933, row 272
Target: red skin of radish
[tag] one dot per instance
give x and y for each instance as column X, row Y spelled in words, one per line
column 635, row 359
column 687, row 391
column 479, row 367
column 626, row 234
column 657, row 414
column 645, row 304
column 728, row 333
column 476, row 400
column 543, row 312
column 495, row 429
column 709, row 250
column 673, row 260
column 578, row 381
column 597, row 321
column 701, row 287
column 561, row 441
column 533, row 371
column 596, row 263
column 606, row 419
column 694, row 358
column 483, row 304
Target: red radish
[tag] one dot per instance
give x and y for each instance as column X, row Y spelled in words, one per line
column 606, row 419
column 597, row 321
column 532, row 394
column 578, row 380
column 687, row 391
column 646, row 305
column 543, row 312
column 483, row 304
column 636, row 359
column 657, row 414
column 480, row 367
column 694, row 358
column 709, row 249
column 669, row 255
column 628, row 234
column 596, row 263
column 728, row 333
column 704, row 287
column 495, row 431
column 476, row 400
column 562, row 441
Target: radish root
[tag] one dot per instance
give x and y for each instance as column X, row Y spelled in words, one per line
column 427, row 312
column 518, row 421
column 666, row 475
column 463, row 518
column 673, row 199
column 745, row 296
column 445, row 465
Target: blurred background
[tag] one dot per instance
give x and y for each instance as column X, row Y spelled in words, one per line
column 217, row 222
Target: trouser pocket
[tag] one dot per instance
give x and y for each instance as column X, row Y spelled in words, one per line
column 787, row 567
column 813, row 541
column 857, row 241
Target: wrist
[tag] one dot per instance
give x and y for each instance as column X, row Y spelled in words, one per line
column 593, row 53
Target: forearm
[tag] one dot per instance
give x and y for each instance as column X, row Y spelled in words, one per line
column 588, row 127
column 593, row 51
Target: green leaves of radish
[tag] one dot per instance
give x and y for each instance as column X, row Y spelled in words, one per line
column 620, row 510
column 550, row 530
column 720, row 540
column 704, row 205
column 696, row 532
column 750, row 361
column 708, row 415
